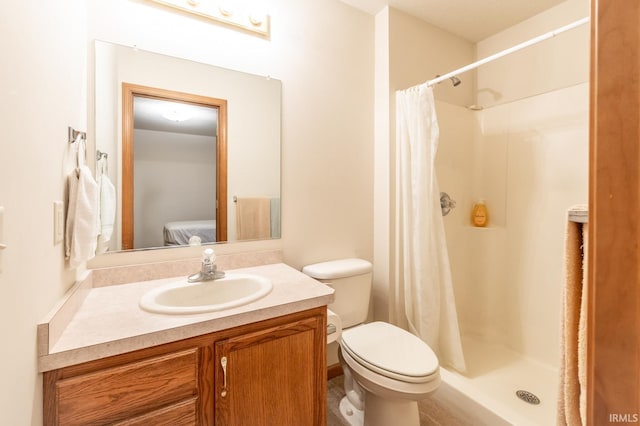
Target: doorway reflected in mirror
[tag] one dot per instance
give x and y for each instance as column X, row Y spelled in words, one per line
column 174, row 155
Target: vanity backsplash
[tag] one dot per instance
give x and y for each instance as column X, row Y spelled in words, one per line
column 153, row 271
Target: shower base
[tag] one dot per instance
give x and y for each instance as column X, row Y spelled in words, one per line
column 486, row 394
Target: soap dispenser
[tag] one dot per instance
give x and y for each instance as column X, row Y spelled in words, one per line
column 480, row 214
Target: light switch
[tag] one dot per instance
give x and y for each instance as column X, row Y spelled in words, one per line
column 58, row 222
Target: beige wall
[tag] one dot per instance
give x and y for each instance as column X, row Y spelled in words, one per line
column 554, row 63
column 43, row 91
column 419, row 51
column 322, row 52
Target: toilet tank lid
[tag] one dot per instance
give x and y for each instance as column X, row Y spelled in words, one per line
column 338, row 269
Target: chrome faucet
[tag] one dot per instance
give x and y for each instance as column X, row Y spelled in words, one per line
column 209, row 270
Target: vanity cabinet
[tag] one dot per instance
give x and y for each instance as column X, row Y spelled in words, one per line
column 271, row 372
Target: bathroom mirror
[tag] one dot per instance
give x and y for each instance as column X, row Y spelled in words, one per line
column 179, row 170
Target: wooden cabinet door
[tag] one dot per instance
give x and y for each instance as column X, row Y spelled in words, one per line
column 274, row 376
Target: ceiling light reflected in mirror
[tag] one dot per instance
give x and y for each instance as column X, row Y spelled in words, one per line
column 177, row 117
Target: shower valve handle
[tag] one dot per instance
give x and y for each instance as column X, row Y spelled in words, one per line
column 446, row 203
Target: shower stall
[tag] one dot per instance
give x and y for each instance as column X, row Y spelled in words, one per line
column 529, row 163
column 522, row 147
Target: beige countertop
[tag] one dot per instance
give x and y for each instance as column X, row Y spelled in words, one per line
column 108, row 320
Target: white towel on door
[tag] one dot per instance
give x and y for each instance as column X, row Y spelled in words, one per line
column 107, row 208
column 81, row 230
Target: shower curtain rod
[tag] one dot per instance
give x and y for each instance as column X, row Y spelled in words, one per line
column 508, row 51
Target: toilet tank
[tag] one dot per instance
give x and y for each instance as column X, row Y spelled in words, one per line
column 351, row 281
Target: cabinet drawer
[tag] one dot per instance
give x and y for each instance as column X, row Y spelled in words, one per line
column 181, row 414
column 122, row 392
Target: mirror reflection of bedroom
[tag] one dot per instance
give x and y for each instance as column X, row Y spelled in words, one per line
column 174, row 173
column 247, row 133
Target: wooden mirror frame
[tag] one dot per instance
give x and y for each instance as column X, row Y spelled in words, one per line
column 129, row 91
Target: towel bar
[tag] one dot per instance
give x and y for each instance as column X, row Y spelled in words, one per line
column 73, row 134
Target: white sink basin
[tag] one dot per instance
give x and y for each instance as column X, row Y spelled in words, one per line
column 182, row 297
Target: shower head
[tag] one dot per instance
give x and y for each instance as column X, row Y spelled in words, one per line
column 455, row 80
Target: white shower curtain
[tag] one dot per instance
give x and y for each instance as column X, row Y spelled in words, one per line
column 422, row 260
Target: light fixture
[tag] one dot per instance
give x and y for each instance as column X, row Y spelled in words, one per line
column 175, row 111
column 225, row 8
column 236, row 13
column 177, row 116
column 256, row 19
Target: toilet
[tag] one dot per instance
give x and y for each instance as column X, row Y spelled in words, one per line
column 387, row 370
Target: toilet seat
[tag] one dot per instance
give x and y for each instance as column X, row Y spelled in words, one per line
column 391, row 352
column 383, row 386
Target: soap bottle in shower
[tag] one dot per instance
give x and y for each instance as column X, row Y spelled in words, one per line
column 480, row 214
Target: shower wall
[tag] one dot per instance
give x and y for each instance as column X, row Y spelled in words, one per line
column 529, row 163
column 526, row 155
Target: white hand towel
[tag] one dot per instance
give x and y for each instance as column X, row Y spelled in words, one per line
column 99, row 206
column 81, row 230
column 107, row 208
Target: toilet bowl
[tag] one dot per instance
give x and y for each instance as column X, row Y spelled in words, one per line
column 386, row 369
column 394, row 368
